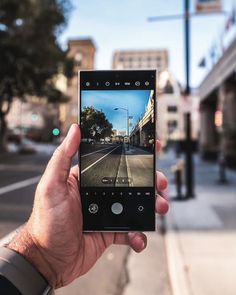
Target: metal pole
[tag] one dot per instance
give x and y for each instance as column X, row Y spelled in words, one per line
column 189, row 160
column 187, row 45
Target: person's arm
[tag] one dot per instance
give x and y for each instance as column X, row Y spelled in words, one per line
column 19, row 277
column 52, row 242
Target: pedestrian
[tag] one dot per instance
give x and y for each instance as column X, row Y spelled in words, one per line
column 51, row 250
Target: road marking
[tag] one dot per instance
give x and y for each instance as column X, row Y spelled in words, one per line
column 18, row 185
column 21, row 167
column 96, row 152
column 90, row 166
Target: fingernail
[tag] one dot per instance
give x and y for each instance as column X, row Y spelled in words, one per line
column 143, row 245
column 132, row 235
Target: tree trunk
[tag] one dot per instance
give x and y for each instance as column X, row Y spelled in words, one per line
column 3, row 129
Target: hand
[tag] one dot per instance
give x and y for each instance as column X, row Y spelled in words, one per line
column 53, row 239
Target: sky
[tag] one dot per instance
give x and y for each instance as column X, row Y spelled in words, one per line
column 122, row 24
column 107, row 100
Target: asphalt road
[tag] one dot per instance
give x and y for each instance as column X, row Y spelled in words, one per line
column 99, row 162
column 19, row 175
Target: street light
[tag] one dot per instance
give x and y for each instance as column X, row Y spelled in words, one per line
column 127, row 111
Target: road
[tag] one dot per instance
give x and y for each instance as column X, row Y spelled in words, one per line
column 115, row 165
column 99, row 162
column 19, row 175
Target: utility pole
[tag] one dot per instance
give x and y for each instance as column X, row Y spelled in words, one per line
column 189, row 171
column 188, row 126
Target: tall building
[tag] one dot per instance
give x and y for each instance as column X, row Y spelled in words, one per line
column 82, row 51
column 141, row 59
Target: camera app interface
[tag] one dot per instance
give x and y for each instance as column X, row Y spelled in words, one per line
column 118, row 134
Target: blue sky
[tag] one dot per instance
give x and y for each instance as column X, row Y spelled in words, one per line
column 122, row 24
column 107, row 100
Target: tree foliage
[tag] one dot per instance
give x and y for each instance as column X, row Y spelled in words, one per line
column 94, row 124
column 29, row 52
column 30, row 55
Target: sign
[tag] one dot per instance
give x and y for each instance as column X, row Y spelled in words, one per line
column 208, row 5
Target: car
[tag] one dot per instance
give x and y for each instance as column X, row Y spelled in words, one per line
column 26, row 146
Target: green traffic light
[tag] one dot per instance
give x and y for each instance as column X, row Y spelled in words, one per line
column 55, row 131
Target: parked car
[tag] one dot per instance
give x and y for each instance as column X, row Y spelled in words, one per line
column 27, row 146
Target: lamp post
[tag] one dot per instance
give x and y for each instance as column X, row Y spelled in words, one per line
column 127, row 112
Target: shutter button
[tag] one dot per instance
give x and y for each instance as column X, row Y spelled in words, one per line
column 117, row 208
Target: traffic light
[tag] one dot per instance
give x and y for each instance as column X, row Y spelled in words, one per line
column 56, row 131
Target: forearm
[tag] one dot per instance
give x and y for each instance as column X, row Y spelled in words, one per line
column 22, row 264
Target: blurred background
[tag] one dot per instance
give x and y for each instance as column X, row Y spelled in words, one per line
column 192, row 44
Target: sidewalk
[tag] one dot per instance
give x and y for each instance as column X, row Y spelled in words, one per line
column 201, row 235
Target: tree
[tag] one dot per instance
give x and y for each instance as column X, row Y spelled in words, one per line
column 94, row 124
column 30, row 56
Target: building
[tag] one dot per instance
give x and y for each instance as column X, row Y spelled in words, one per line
column 171, row 104
column 82, row 51
column 141, row 59
column 34, row 118
column 218, row 108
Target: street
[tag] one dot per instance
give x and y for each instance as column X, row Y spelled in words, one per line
column 98, row 162
column 115, row 165
column 19, row 175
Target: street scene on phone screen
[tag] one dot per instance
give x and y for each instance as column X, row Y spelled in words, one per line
column 117, row 146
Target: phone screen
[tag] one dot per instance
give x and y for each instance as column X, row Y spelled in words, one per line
column 117, row 152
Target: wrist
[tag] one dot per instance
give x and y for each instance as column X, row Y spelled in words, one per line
column 24, row 244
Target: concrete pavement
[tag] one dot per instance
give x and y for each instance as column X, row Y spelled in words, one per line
column 107, row 277
column 139, row 166
column 121, row 271
column 201, row 235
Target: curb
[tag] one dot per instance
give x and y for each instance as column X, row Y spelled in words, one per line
column 178, row 269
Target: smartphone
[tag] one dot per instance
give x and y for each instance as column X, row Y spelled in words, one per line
column 117, row 115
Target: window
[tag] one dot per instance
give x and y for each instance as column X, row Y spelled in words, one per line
column 172, row 125
column 172, row 109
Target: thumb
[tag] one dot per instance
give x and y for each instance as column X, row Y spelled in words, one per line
column 59, row 165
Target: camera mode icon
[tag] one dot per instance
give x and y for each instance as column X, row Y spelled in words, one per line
column 93, row 208
column 140, row 208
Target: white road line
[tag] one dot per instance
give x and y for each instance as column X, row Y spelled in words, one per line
column 18, row 185
column 96, row 152
column 98, row 160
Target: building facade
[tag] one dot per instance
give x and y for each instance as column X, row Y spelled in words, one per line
column 171, row 105
column 82, row 51
column 217, row 95
column 34, row 118
column 141, row 59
